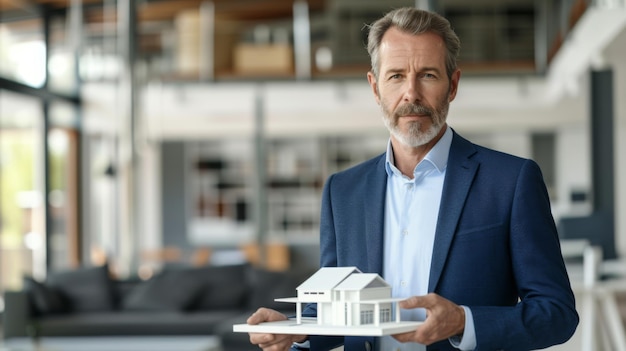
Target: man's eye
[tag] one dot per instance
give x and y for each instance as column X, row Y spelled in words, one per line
column 429, row 76
column 394, row 76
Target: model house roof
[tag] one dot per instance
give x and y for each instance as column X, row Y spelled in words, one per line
column 362, row 281
column 327, row 278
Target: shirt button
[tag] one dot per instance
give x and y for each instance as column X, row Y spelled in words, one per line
column 405, row 232
column 402, row 283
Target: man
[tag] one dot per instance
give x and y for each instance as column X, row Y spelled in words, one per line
column 464, row 232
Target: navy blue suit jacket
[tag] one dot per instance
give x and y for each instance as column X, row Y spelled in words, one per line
column 496, row 246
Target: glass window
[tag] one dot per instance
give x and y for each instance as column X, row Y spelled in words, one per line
column 64, row 248
column 101, row 215
column 22, row 224
column 63, row 196
column 23, row 52
column 62, row 64
column 22, row 215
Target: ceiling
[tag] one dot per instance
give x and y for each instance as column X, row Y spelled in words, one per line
column 162, row 10
column 156, row 16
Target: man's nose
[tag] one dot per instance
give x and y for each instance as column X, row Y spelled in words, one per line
column 412, row 92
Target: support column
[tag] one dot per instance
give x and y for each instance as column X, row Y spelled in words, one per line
column 377, row 314
column 397, row 311
column 602, row 159
column 320, row 313
column 129, row 231
column 599, row 227
column 302, row 39
column 260, row 176
column 45, row 149
column 298, row 313
column 207, row 40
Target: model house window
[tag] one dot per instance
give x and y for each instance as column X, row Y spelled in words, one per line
column 385, row 315
column 367, row 317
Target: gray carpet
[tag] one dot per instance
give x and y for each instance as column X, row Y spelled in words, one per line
column 130, row 343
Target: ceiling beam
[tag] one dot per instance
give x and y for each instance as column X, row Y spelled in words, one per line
column 42, row 93
column 24, row 5
column 166, row 10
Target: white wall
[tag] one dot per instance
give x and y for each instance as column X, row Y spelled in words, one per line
column 573, row 170
column 616, row 58
column 500, row 113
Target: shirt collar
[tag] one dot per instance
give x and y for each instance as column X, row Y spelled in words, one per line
column 437, row 156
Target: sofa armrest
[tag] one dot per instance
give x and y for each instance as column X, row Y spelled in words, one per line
column 16, row 321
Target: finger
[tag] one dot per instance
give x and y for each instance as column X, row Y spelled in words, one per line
column 269, row 341
column 258, row 338
column 446, row 320
column 265, row 315
column 405, row 337
column 425, row 334
column 412, row 302
column 257, row 317
column 282, row 342
column 275, row 347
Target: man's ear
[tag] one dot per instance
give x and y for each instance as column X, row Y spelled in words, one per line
column 371, row 79
column 454, row 84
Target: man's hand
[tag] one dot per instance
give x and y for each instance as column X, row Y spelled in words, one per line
column 444, row 319
column 271, row 342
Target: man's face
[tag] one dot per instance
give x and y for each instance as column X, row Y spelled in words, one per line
column 413, row 89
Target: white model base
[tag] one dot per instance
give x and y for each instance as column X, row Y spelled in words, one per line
column 309, row 326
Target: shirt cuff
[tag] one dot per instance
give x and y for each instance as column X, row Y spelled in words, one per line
column 467, row 341
column 305, row 345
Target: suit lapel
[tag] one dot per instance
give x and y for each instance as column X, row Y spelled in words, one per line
column 459, row 176
column 374, row 209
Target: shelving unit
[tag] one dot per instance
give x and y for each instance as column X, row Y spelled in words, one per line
column 218, row 192
column 220, row 182
column 295, row 178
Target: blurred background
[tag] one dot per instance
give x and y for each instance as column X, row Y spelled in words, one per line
column 152, row 132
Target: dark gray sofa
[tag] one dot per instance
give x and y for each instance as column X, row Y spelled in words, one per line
column 178, row 301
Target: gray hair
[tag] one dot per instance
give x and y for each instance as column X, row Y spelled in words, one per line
column 414, row 21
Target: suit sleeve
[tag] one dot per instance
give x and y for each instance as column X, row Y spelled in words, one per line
column 328, row 241
column 545, row 314
column 328, row 258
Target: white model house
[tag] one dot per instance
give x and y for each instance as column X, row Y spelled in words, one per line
column 346, row 297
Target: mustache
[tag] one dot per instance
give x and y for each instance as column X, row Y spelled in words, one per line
column 413, row 109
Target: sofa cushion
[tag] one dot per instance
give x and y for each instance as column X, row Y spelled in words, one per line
column 122, row 288
column 192, row 288
column 44, row 299
column 167, row 291
column 269, row 285
column 234, row 341
column 118, row 323
column 222, row 287
column 86, row 289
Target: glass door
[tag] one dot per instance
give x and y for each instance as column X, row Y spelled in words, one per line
column 22, row 221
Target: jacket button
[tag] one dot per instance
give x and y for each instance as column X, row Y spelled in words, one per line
column 368, row 346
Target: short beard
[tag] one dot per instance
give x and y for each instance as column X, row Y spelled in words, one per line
column 415, row 137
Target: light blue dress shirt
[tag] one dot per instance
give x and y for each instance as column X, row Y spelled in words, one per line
column 411, row 212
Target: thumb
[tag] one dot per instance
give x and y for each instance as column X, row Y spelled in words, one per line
column 265, row 315
column 261, row 315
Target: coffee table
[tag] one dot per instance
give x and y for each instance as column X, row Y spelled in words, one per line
column 115, row 343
